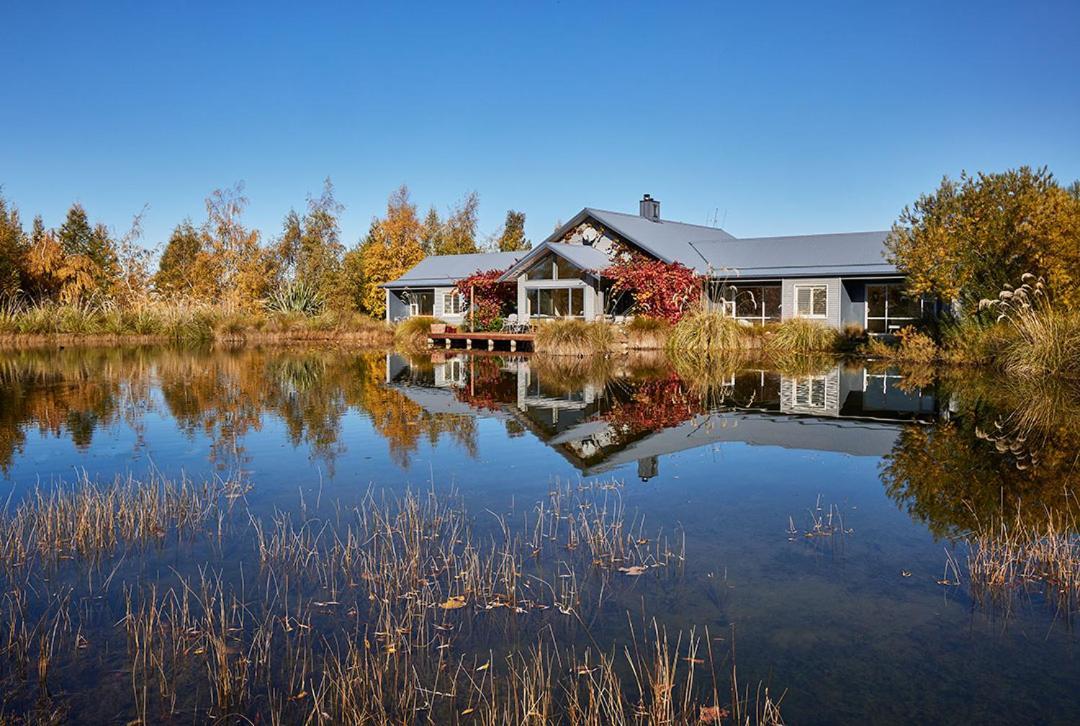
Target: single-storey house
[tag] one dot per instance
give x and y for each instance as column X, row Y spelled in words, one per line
column 428, row 288
column 837, row 279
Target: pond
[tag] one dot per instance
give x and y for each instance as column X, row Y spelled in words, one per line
column 806, row 523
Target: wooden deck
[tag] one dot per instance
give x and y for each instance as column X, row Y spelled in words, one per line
column 482, row 341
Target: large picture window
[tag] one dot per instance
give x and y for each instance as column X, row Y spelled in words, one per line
column 756, row 303
column 557, row 302
column 554, row 267
column 888, row 309
column 811, row 301
column 421, row 303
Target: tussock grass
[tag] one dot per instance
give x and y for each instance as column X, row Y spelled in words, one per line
column 911, row 345
column 646, row 333
column 800, row 335
column 705, row 335
column 413, row 333
column 570, row 336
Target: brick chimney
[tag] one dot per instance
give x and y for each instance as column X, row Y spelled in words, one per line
column 649, row 208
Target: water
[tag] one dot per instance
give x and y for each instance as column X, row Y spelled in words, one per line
column 739, row 464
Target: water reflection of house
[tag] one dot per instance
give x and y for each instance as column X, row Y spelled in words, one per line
column 844, row 410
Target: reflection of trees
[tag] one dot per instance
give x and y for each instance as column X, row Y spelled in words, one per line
column 1006, row 446
column 60, row 392
column 223, row 395
column 399, row 420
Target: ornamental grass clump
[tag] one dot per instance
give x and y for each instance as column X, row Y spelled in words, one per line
column 644, row 332
column 413, row 333
column 570, row 336
column 1043, row 339
column 706, row 334
column 803, row 336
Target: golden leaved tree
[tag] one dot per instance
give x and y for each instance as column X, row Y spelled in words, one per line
column 393, row 246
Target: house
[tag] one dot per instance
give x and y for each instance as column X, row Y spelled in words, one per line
column 836, row 279
column 428, row 288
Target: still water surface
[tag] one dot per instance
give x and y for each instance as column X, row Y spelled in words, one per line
column 739, row 464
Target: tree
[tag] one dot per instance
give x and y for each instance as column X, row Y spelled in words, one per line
column 78, row 239
column 231, row 266
column 75, row 234
column 974, row 236
column 310, row 250
column 460, row 228
column 432, row 232
column 175, row 276
column 392, row 246
column 512, row 237
column 13, row 244
column 132, row 281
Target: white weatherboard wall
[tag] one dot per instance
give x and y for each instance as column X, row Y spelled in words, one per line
column 439, row 309
column 832, row 306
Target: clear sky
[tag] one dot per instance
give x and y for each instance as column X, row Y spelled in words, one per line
column 774, row 118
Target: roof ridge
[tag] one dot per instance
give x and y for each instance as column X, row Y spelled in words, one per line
column 795, row 236
column 672, row 221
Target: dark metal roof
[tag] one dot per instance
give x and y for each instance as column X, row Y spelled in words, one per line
column 446, row 270
column 828, row 255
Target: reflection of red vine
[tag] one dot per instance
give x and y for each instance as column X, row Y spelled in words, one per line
column 486, row 386
column 654, row 405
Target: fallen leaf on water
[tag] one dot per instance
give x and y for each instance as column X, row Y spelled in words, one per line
column 484, row 667
column 712, row 714
column 467, row 711
column 453, row 602
column 695, row 661
column 633, row 570
column 905, row 573
column 299, row 696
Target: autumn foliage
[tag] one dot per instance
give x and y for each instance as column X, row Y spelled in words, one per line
column 665, row 290
column 490, row 297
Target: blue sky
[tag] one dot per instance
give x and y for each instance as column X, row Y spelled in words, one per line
column 774, row 118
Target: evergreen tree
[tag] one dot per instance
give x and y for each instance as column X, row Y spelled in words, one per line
column 176, row 269
column 460, row 235
column 512, row 237
column 431, row 236
column 75, row 234
column 12, row 250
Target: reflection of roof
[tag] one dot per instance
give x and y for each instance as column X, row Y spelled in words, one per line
column 852, row 253
column 853, row 437
column 440, row 401
column 587, row 258
column 445, row 270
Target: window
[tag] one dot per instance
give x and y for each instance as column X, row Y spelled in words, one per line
column 421, row 303
column 453, row 303
column 557, row 302
column 888, row 309
column 810, row 392
column 758, row 303
column 811, row 301
column 554, row 267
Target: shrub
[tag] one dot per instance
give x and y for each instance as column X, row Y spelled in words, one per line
column 801, row 335
column 911, row 345
column 570, row 336
column 706, row 334
column 295, row 297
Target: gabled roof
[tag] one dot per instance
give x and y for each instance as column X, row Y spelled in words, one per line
column 587, row 258
column 851, row 253
column 446, row 270
column 666, row 240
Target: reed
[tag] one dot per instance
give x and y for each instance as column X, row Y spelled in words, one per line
column 647, row 333
column 800, row 335
column 705, row 335
column 412, row 333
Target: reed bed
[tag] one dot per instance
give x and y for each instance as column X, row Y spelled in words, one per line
column 402, row 609
column 412, row 333
column 1016, row 559
column 88, row 521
